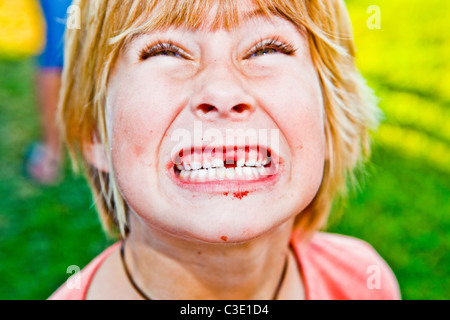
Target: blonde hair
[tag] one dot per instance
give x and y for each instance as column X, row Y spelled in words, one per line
column 108, row 25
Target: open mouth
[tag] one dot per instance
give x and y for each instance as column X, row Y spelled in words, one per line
column 225, row 166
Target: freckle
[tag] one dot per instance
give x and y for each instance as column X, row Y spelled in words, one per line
column 138, row 149
column 300, row 147
column 224, row 238
column 199, row 252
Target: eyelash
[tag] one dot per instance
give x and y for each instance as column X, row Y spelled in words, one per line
column 275, row 44
column 162, row 48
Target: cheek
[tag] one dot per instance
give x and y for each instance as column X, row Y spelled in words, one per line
column 131, row 134
column 138, row 120
column 133, row 148
column 139, row 117
column 133, row 156
column 297, row 107
column 298, row 111
column 307, row 142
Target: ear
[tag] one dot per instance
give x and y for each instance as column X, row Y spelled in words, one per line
column 95, row 154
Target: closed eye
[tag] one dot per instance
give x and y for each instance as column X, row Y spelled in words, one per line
column 270, row 46
column 163, row 49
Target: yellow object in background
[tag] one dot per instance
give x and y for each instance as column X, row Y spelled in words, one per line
column 22, row 28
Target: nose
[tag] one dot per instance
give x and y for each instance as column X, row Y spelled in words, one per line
column 220, row 94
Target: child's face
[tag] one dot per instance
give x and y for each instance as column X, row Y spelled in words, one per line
column 170, row 88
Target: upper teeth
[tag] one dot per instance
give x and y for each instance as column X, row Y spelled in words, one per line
column 222, row 173
column 218, row 163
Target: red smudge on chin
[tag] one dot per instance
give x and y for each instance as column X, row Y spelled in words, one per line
column 225, row 193
column 240, row 195
column 224, row 238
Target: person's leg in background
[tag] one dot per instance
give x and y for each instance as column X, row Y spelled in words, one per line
column 44, row 158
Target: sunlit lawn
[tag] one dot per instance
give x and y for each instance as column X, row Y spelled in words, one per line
column 402, row 206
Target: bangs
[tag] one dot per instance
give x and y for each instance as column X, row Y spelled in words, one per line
column 150, row 15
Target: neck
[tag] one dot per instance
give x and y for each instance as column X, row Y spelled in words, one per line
column 167, row 267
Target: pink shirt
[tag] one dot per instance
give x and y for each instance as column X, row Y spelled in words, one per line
column 333, row 267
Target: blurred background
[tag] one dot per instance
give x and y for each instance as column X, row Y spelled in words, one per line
column 401, row 207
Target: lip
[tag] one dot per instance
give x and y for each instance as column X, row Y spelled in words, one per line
column 232, row 185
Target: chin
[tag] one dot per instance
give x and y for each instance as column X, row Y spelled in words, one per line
column 239, row 229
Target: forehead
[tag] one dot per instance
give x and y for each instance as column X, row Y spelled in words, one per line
column 201, row 14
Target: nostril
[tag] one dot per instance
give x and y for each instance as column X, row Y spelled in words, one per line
column 240, row 108
column 205, row 108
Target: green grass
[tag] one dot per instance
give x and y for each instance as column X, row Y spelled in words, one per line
column 402, row 206
column 42, row 230
column 403, row 210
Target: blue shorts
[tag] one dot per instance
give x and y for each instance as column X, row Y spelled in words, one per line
column 55, row 12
